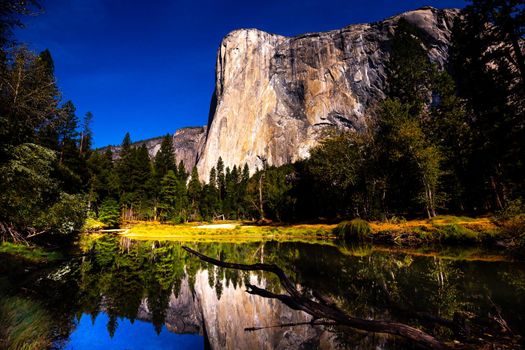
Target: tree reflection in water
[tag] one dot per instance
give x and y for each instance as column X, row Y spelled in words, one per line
column 159, row 282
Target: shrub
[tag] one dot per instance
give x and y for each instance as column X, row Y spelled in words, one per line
column 458, row 234
column 109, row 213
column 511, row 219
column 64, row 217
column 354, row 230
column 92, row 224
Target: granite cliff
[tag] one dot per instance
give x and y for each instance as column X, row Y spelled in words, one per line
column 275, row 95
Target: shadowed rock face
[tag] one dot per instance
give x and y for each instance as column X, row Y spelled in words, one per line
column 275, row 95
column 188, row 144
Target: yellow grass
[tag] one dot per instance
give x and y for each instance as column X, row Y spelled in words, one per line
column 476, row 224
column 232, row 231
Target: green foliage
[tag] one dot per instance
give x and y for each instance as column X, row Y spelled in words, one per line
column 165, row 159
column 65, row 216
column 92, row 224
column 26, row 184
column 354, row 230
column 454, row 233
column 109, row 213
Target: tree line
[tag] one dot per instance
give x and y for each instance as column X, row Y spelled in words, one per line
column 131, row 186
column 444, row 140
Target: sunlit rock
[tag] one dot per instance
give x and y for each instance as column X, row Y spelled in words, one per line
column 275, row 95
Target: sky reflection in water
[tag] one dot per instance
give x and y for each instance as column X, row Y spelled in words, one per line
column 139, row 335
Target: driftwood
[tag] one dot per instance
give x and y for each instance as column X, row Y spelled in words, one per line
column 8, row 231
column 322, row 310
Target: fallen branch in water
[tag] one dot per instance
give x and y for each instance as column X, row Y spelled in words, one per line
column 297, row 301
column 308, row 323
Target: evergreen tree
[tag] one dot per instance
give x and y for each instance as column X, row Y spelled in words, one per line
column 169, row 192
column 409, row 70
column 86, row 136
column 194, row 192
column 28, row 99
column 182, row 174
column 489, row 71
column 165, row 158
column 221, row 179
column 124, row 164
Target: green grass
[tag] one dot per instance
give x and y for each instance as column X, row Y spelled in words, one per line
column 25, row 325
column 354, row 230
column 454, row 233
column 31, row 253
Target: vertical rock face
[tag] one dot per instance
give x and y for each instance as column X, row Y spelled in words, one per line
column 188, row 143
column 275, row 95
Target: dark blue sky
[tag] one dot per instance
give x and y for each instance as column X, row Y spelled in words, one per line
column 147, row 67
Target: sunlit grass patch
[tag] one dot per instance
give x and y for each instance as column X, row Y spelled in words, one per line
column 31, row 253
column 229, row 231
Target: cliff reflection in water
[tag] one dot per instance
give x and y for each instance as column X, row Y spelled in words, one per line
column 162, row 284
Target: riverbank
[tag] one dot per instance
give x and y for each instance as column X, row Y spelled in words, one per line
column 33, row 254
column 420, row 233
column 447, row 230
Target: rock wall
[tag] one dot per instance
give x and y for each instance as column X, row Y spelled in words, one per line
column 188, row 144
column 276, row 95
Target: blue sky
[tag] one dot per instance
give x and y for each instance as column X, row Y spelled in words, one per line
column 148, row 67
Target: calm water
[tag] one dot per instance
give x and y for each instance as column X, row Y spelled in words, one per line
column 154, row 295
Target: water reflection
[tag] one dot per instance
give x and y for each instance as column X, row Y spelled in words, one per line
column 92, row 334
column 160, row 291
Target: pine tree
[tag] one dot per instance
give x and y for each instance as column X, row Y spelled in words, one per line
column 86, row 136
column 221, row 180
column 169, row 192
column 181, row 173
column 194, row 192
column 165, row 158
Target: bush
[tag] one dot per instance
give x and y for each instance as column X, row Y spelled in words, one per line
column 519, row 249
column 511, row 219
column 512, row 209
column 109, row 213
column 458, row 234
column 355, row 230
column 64, row 217
column 92, row 224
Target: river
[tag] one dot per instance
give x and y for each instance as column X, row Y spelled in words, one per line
column 154, row 295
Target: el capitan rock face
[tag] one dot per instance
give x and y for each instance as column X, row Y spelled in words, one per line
column 275, row 95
